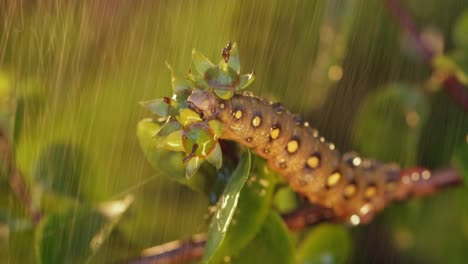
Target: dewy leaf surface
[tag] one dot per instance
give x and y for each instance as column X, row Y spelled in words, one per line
column 271, row 245
column 227, row 205
column 252, row 210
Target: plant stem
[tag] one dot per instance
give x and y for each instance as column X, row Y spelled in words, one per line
column 451, row 84
column 16, row 179
column 184, row 251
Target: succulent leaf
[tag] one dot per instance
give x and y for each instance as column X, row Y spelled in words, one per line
column 173, row 141
column 224, row 94
column 188, row 117
column 222, row 78
column 216, row 157
column 234, row 61
column 198, row 81
column 202, row 63
column 216, row 127
column 201, row 136
column 246, row 80
column 179, row 85
column 157, row 107
column 192, row 166
column 169, row 127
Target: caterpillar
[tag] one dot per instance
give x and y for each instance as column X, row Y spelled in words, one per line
column 209, row 106
column 354, row 188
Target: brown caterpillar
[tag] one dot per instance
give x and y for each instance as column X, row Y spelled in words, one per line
column 355, row 188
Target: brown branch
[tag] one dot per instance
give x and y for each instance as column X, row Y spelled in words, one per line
column 451, row 84
column 440, row 179
column 309, row 215
column 184, row 251
column 16, row 179
column 180, row 251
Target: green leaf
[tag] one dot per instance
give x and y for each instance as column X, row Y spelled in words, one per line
column 216, row 157
column 285, row 200
column 449, row 65
column 252, row 210
column 59, row 169
column 200, row 135
column 157, row 107
column 179, row 86
column 271, row 245
column 224, row 94
column 159, row 157
column 460, row 32
column 188, row 117
column 202, row 63
column 394, row 116
column 173, row 141
column 73, row 236
column 168, row 163
column 460, row 59
column 325, row 244
column 169, row 127
column 227, row 205
column 192, row 166
column 461, row 160
column 246, row 80
column 198, row 81
column 222, row 78
column 234, row 61
column 216, row 127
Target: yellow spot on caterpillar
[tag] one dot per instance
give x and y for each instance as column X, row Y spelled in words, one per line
column 274, row 134
column 333, row 179
column 256, row 121
column 349, row 190
column 238, row 114
column 370, row 192
column 335, row 73
column 249, row 139
column 266, row 150
column 313, row 161
column 292, row 146
column 222, row 105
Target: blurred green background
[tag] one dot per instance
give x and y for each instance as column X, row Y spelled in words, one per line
column 72, row 74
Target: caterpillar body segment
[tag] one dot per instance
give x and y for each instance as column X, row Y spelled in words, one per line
column 355, row 188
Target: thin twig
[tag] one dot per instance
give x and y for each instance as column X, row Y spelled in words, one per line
column 451, row 84
column 16, row 179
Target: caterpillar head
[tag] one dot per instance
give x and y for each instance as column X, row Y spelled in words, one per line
column 203, row 102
